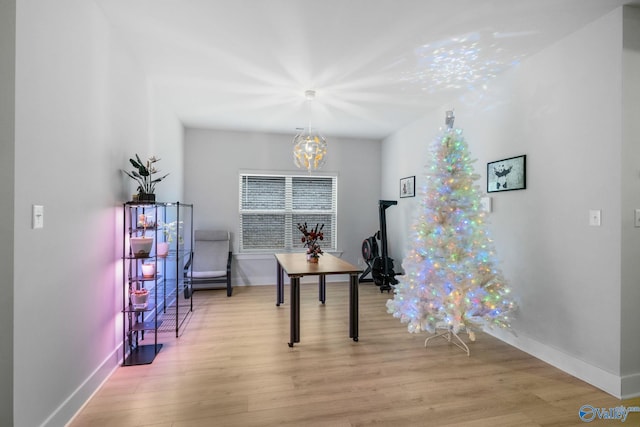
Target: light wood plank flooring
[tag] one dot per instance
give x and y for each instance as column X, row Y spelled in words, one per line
column 232, row 367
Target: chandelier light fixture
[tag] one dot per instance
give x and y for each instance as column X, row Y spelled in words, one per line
column 309, row 147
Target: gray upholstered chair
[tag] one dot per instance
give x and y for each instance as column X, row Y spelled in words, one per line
column 211, row 260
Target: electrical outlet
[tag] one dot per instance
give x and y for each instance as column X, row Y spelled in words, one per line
column 594, row 217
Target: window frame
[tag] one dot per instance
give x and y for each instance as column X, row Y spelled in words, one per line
column 289, row 212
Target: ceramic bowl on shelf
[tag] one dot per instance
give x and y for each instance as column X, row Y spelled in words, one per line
column 148, row 270
column 141, row 246
column 139, row 298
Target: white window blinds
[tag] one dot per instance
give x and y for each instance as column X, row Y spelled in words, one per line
column 271, row 206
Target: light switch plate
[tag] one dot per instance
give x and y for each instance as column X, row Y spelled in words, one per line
column 37, row 216
column 594, row 217
column 485, row 204
column 637, row 218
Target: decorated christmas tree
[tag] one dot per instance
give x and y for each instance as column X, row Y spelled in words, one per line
column 451, row 282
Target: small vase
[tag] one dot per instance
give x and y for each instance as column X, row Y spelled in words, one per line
column 312, row 259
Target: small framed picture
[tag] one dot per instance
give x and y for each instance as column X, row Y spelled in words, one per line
column 507, row 174
column 408, row 186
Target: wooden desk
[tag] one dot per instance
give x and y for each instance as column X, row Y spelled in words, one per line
column 295, row 265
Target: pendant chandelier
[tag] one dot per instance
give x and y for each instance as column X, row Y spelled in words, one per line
column 309, row 147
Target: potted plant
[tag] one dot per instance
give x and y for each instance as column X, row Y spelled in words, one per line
column 143, row 174
column 141, row 245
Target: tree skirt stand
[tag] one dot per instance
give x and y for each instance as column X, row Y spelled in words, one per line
column 453, row 338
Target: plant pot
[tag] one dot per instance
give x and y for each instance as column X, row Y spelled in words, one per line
column 148, row 270
column 312, row 259
column 162, row 249
column 146, row 197
column 141, row 246
column 140, row 299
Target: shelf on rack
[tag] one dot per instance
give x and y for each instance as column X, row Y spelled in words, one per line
column 131, row 309
column 145, row 326
column 142, row 354
column 146, row 279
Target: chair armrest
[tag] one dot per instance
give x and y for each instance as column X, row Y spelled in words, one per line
column 188, row 264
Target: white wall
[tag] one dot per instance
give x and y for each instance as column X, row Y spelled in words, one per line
column 81, row 111
column 167, row 143
column 630, row 333
column 406, row 154
column 562, row 108
column 7, row 147
column 215, row 158
column 567, row 105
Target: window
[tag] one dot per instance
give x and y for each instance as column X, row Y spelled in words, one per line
column 271, row 206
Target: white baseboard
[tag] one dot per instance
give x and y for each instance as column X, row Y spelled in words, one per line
column 631, row 386
column 597, row 377
column 72, row 405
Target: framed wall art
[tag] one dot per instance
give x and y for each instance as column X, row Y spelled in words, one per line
column 507, row 174
column 408, row 186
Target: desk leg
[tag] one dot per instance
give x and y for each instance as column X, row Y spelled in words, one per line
column 322, row 288
column 295, row 310
column 279, row 285
column 353, row 307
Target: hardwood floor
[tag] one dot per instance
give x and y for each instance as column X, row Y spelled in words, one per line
column 232, row 367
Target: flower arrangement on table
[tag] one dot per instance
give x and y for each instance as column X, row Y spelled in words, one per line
column 310, row 239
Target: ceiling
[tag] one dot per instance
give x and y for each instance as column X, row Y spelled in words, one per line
column 376, row 65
